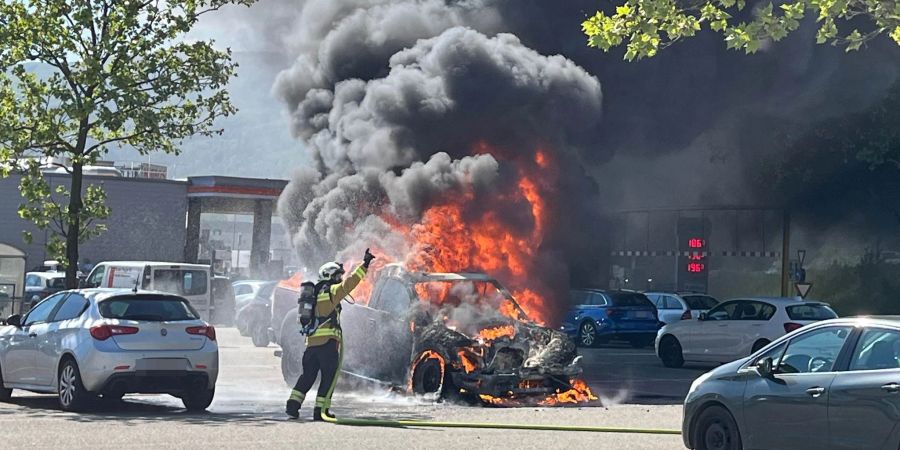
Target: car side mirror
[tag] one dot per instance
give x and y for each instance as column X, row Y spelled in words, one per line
column 703, row 316
column 764, row 367
column 14, row 320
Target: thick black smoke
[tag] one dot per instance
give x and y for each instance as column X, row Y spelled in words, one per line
column 453, row 115
column 393, row 96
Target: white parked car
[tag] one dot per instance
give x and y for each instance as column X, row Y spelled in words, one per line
column 672, row 307
column 191, row 281
column 735, row 329
column 110, row 342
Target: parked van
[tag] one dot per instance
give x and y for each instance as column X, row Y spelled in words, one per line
column 191, row 281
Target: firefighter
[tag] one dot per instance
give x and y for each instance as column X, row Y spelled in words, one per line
column 323, row 346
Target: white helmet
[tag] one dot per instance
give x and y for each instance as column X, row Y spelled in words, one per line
column 330, row 271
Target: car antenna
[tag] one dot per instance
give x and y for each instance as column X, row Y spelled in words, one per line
column 136, row 285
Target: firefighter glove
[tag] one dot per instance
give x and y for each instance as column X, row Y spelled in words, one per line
column 368, row 258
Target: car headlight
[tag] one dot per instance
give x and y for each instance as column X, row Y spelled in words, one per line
column 35, row 298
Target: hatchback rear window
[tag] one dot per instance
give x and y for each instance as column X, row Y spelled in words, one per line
column 629, row 299
column 151, row 308
column 700, row 301
column 810, row 311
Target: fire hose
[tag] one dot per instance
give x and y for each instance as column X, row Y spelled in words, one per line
column 501, row 426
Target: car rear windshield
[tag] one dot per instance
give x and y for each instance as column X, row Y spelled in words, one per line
column 629, row 299
column 700, row 301
column 810, row 311
column 153, row 308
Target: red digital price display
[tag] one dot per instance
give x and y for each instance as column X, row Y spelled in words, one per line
column 696, row 267
column 696, row 243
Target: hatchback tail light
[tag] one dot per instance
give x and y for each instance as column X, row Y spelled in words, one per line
column 686, row 315
column 204, row 330
column 791, row 326
column 104, row 332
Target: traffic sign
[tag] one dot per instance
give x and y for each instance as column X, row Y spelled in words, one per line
column 803, row 289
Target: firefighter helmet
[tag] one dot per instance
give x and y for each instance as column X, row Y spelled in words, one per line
column 331, row 271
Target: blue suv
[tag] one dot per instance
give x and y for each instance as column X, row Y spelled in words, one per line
column 597, row 316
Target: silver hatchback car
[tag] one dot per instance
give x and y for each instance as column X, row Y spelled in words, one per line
column 110, row 342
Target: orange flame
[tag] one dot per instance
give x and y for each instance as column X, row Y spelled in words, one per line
column 490, row 334
column 461, row 234
column 578, row 393
column 468, row 365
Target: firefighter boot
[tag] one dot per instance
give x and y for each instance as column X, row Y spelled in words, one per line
column 292, row 408
column 319, row 415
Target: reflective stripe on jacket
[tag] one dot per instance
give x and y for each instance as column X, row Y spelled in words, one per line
column 329, row 302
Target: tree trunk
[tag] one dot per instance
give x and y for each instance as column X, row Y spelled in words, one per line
column 73, row 230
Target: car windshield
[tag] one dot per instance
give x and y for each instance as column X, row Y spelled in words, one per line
column 153, row 308
column 629, row 299
column 700, row 301
column 810, row 311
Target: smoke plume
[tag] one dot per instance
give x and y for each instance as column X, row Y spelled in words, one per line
column 408, row 106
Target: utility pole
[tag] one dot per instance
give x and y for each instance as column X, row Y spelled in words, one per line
column 785, row 252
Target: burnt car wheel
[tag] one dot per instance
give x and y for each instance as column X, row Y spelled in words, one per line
column 587, row 334
column 716, row 430
column 670, row 352
column 428, row 377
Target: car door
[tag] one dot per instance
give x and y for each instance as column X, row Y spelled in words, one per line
column 789, row 409
column 388, row 343
column 709, row 339
column 749, row 327
column 55, row 335
column 864, row 404
column 34, row 328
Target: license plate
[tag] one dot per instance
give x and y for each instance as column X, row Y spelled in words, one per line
column 161, row 364
column 643, row 314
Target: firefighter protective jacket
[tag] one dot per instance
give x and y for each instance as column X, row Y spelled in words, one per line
column 328, row 304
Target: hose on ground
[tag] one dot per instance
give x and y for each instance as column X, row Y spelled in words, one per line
column 501, row 426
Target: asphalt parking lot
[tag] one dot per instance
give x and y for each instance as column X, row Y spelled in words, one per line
column 635, row 391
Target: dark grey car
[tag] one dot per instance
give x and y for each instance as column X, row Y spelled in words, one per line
column 831, row 385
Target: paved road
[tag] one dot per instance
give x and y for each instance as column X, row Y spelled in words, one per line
column 622, row 374
column 247, row 412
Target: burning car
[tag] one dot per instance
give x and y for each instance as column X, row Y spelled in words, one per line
column 450, row 334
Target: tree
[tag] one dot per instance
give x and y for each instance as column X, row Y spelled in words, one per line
column 646, row 26
column 121, row 73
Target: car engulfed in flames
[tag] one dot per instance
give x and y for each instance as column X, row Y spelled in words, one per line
column 467, row 338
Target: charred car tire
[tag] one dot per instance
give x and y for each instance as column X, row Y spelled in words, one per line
column 5, row 394
column 428, row 377
column 587, row 334
column 196, row 401
column 670, row 352
column 293, row 345
column 72, row 394
column 716, row 430
column 259, row 333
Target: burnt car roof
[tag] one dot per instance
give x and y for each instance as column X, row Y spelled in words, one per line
column 421, row 277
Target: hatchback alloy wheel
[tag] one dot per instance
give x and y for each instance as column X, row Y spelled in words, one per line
column 72, row 394
column 67, row 385
column 587, row 334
